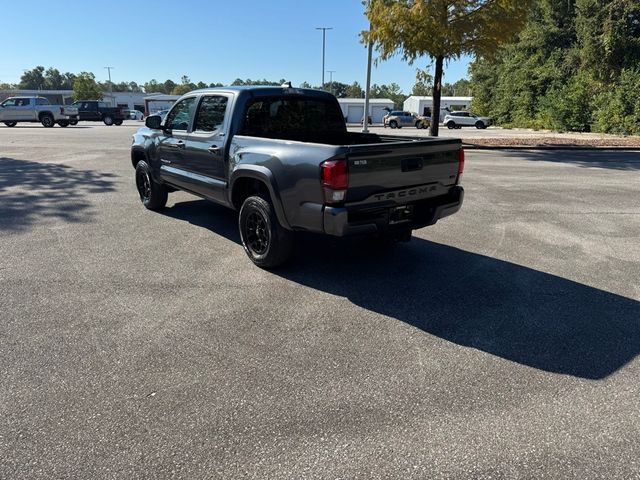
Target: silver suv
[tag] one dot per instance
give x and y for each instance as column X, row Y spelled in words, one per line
column 465, row 119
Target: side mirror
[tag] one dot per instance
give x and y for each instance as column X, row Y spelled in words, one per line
column 154, row 122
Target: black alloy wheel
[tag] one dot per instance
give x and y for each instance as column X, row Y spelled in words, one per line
column 152, row 195
column 257, row 233
column 10, row 124
column 266, row 242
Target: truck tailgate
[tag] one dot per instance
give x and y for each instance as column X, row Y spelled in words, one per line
column 399, row 172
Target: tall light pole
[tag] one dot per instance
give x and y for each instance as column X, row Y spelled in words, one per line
column 365, row 126
column 110, row 84
column 324, row 32
column 331, row 72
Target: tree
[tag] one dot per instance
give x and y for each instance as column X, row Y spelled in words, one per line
column 152, row 86
column 169, row 85
column 391, row 91
column 442, row 29
column 33, row 79
column 85, row 87
column 424, row 83
column 355, row 91
column 337, row 88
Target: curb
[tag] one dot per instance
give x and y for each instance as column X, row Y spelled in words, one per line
column 471, row 146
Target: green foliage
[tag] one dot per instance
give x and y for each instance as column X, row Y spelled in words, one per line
column 85, row 87
column 619, row 108
column 573, row 67
column 355, row 91
column 442, row 29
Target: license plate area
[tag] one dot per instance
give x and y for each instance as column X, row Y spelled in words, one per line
column 401, row 214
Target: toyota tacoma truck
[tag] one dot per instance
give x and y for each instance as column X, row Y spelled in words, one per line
column 16, row 110
column 283, row 158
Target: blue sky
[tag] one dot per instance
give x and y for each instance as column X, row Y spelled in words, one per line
column 212, row 41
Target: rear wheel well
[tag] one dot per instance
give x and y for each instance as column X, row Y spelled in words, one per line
column 245, row 187
column 42, row 114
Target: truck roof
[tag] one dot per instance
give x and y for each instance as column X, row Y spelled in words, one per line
column 260, row 90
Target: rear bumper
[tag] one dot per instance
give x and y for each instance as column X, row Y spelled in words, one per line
column 342, row 221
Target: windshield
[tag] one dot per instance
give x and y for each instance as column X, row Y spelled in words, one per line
column 278, row 117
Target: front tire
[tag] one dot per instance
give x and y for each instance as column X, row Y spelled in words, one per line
column 393, row 124
column 480, row 125
column 267, row 243
column 10, row 124
column 108, row 120
column 47, row 121
column 153, row 195
column 117, row 122
column 451, row 125
column 73, row 122
column 63, row 123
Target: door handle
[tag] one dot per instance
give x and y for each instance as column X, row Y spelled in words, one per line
column 214, row 149
column 180, row 144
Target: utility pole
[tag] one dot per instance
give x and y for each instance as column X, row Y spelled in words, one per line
column 331, row 72
column 365, row 127
column 324, row 32
column 110, row 84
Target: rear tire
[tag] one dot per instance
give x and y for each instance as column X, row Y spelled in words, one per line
column 63, row 123
column 10, row 124
column 108, row 120
column 47, row 120
column 73, row 122
column 117, row 122
column 153, row 195
column 267, row 243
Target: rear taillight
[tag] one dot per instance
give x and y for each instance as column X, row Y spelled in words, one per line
column 460, row 165
column 62, row 110
column 335, row 180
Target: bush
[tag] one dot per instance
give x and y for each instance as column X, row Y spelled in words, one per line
column 619, row 106
column 570, row 107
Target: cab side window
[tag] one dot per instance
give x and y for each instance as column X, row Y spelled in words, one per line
column 9, row 103
column 179, row 118
column 211, row 112
column 42, row 101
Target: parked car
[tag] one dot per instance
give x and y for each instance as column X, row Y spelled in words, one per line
column 98, row 111
column 133, row 114
column 284, row 159
column 465, row 119
column 399, row 119
column 16, row 110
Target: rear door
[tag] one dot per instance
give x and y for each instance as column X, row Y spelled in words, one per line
column 204, row 156
column 400, row 172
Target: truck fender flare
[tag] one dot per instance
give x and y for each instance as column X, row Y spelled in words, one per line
column 265, row 176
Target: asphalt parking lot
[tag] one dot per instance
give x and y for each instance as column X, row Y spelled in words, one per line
column 502, row 342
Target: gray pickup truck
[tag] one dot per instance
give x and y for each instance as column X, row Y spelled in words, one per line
column 284, row 159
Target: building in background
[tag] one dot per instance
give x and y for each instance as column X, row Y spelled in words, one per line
column 159, row 101
column 424, row 105
column 353, row 109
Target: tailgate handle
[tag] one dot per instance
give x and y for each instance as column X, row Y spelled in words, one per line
column 411, row 164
